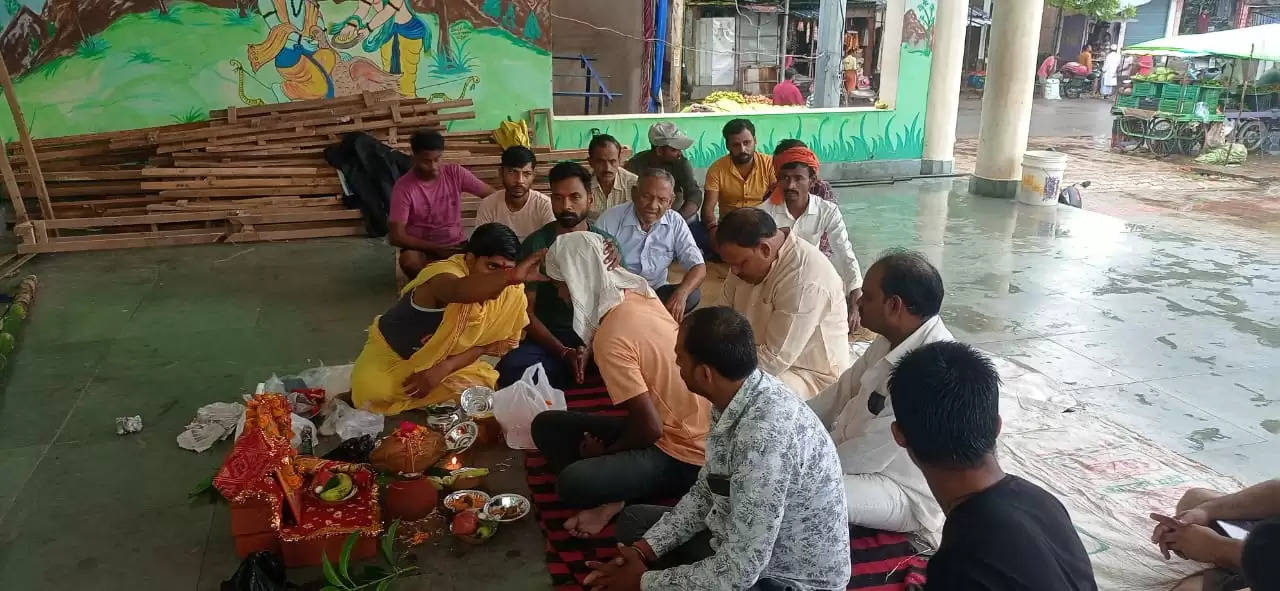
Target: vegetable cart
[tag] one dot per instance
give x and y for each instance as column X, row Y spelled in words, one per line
column 1170, row 113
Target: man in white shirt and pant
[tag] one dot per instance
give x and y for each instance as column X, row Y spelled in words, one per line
column 814, row 220
column 900, row 301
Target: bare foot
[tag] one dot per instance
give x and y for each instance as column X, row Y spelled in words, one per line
column 591, row 521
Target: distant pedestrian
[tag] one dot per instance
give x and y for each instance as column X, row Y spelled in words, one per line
column 786, row 92
column 1111, row 71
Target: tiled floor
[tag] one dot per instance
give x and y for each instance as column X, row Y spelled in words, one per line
column 1175, row 337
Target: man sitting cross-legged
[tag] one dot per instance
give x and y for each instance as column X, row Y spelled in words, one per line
column 765, row 513
column 654, row 451
column 550, row 339
column 425, row 222
column 1196, row 532
column 792, row 296
column 816, row 221
column 1002, row 532
column 652, row 235
column 900, row 301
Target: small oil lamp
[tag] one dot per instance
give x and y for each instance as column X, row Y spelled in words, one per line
column 454, row 463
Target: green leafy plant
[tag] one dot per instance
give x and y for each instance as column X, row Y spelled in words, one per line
column 192, row 115
column 380, row 578
column 51, row 67
column 92, row 47
column 1102, row 10
column 144, row 56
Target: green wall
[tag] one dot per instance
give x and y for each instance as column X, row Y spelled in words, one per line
column 835, row 135
column 146, row 69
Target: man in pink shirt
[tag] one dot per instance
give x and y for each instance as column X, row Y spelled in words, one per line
column 786, row 92
column 426, row 205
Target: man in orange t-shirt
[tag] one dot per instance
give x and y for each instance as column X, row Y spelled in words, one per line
column 657, row 448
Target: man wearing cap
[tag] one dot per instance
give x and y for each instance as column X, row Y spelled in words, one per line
column 667, row 145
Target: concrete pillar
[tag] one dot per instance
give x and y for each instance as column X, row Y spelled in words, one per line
column 891, row 51
column 826, row 75
column 949, row 27
column 1006, row 101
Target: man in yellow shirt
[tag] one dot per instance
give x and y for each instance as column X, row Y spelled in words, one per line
column 736, row 180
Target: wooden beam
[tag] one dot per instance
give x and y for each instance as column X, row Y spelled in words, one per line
column 11, row 187
column 24, row 136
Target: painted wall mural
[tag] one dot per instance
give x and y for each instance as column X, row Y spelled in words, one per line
column 84, row 66
column 835, row 135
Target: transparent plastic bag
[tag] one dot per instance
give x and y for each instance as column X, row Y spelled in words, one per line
column 515, row 406
column 348, row 423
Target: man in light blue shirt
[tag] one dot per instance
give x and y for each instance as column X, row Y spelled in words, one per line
column 651, row 235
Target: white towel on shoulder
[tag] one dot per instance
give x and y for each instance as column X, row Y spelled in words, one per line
column 577, row 258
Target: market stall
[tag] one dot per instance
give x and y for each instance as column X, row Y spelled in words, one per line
column 1205, row 82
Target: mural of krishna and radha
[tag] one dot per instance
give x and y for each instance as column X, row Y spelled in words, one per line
column 84, row 66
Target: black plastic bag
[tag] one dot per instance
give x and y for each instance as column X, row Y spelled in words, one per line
column 261, row 571
column 355, row 450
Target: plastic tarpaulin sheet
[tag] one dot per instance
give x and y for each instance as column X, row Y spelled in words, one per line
column 1109, row 477
column 1261, row 43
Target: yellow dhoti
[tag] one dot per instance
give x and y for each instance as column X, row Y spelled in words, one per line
column 379, row 374
column 410, row 55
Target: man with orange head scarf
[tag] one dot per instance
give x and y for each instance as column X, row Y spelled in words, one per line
column 814, row 220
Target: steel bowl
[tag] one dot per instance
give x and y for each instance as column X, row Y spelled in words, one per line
column 507, row 507
column 477, row 401
column 479, row 499
column 461, row 436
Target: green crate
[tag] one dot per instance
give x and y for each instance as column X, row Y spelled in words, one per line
column 1191, row 92
column 1168, row 105
column 1144, row 88
column 1130, row 101
column 1171, row 91
column 1210, row 97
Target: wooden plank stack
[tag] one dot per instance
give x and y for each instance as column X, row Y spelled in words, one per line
column 246, row 174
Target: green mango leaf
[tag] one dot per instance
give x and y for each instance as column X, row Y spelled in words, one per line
column 330, row 576
column 389, row 543
column 330, row 588
column 384, row 586
column 344, row 559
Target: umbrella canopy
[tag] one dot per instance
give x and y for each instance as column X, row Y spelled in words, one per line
column 1261, row 42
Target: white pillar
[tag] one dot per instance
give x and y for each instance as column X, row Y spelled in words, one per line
column 1006, row 101
column 949, row 27
column 826, row 72
column 891, row 50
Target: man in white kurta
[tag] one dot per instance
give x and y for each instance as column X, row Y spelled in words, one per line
column 885, row 490
column 792, row 296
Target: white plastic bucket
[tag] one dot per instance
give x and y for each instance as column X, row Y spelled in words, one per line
column 1051, row 87
column 1041, row 177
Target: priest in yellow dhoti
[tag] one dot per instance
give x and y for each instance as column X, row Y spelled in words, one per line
column 427, row 347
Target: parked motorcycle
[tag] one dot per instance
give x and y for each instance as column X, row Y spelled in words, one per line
column 1076, row 80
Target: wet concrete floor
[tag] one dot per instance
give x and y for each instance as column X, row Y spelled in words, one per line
column 1174, row 335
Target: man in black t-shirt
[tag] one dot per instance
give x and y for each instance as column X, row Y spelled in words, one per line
column 1002, row 533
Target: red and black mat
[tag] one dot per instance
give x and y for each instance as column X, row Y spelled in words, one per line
column 882, row 561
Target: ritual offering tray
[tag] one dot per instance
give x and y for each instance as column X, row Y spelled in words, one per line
column 466, row 500
column 473, row 527
column 461, row 436
column 507, row 507
column 477, row 402
column 444, row 415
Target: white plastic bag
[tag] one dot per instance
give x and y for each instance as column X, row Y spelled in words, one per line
column 213, row 423
column 333, row 379
column 515, row 406
column 347, row 422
